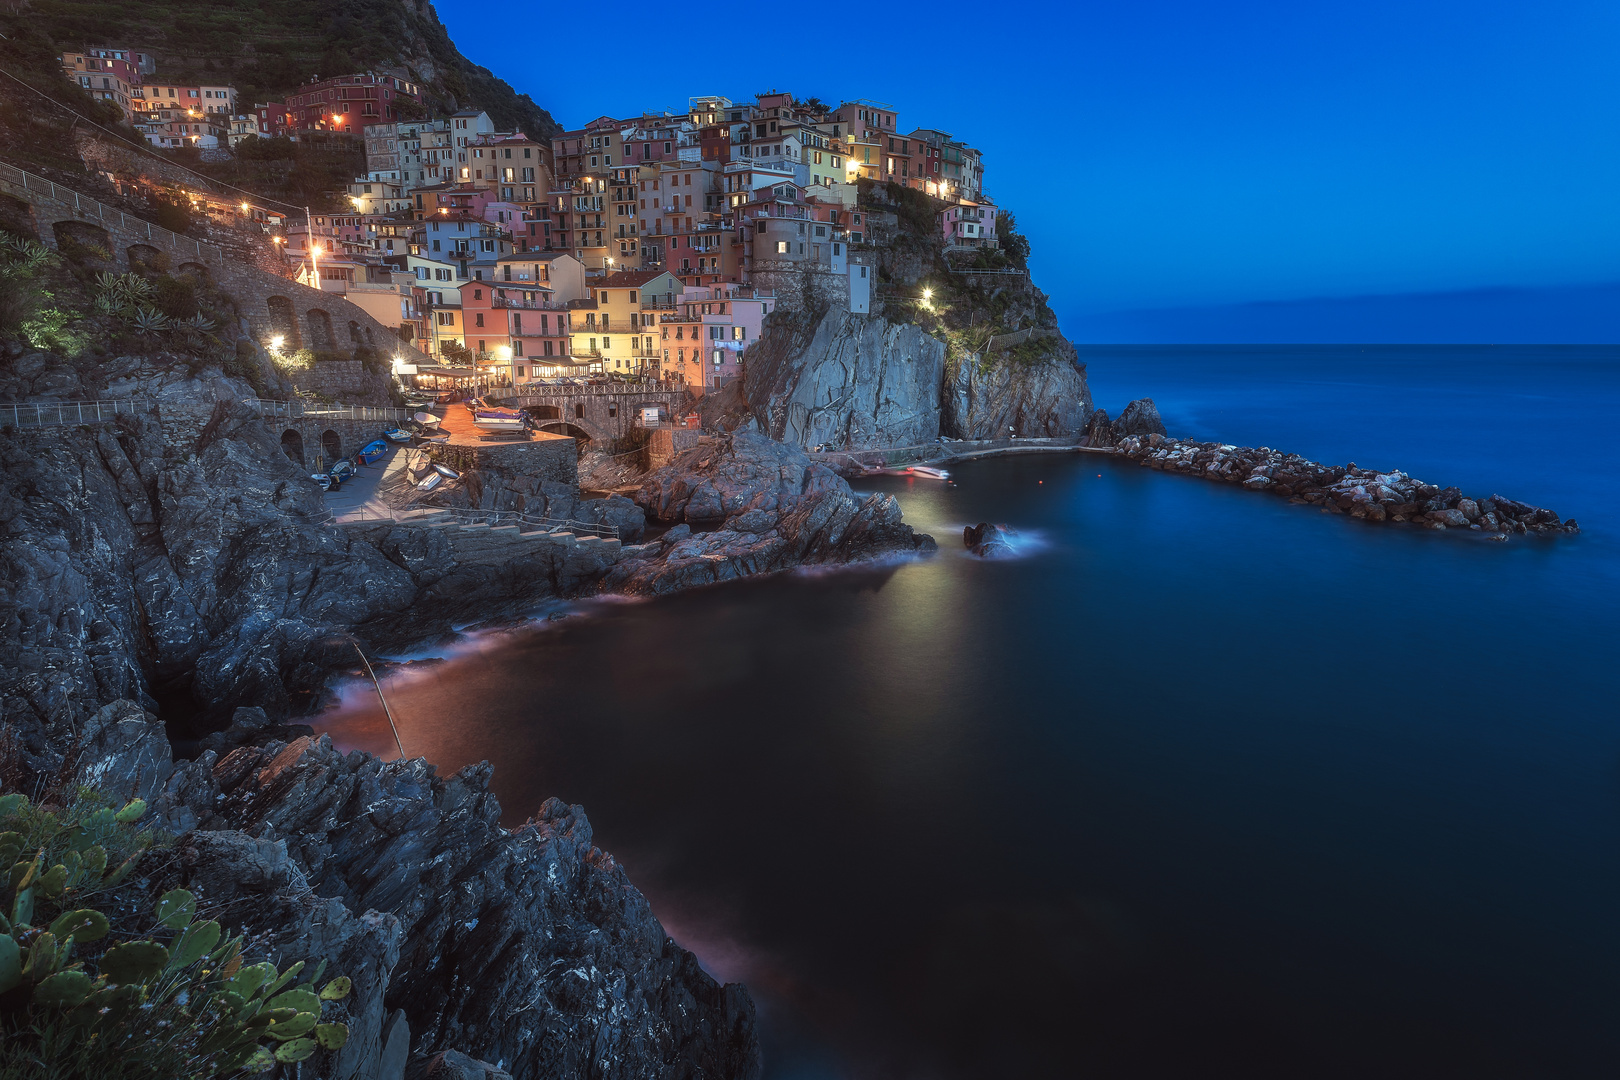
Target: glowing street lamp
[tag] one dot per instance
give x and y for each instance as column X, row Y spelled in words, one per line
column 277, row 342
column 928, row 294
column 245, row 208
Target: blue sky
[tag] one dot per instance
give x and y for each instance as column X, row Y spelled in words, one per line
column 1163, row 154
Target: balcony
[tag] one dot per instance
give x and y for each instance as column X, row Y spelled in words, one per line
column 529, row 305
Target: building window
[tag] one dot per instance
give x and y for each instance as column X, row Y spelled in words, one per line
column 781, row 247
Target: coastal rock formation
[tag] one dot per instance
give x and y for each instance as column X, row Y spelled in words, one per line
column 1140, row 418
column 769, row 508
column 988, row 541
column 174, row 559
column 1369, row 494
column 850, row 381
column 1042, row 397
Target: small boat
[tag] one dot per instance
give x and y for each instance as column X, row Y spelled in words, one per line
column 436, row 438
column 322, row 481
column 430, row 481
column 397, row 435
column 340, row 471
column 447, row 472
column 426, row 419
column 373, row 450
column 929, row 471
column 499, row 420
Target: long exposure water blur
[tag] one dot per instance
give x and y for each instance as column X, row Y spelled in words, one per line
column 1200, row 784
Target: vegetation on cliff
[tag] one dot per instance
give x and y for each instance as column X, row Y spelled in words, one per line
column 98, row 981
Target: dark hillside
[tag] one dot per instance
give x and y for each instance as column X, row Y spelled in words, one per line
column 266, row 48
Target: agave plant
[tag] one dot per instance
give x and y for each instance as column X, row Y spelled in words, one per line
column 107, row 304
column 21, row 253
column 147, row 321
column 199, row 323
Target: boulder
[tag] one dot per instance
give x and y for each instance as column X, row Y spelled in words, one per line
column 988, row 541
column 1141, row 417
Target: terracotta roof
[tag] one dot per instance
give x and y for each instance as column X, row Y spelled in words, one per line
column 629, row 278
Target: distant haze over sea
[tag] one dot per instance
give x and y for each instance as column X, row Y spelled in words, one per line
column 1588, row 314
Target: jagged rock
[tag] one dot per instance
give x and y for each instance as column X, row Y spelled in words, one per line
column 454, row 1065
column 776, row 509
column 845, row 380
column 988, row 541
column 1098, row 431
column 1141, row 417
column 1045, row 398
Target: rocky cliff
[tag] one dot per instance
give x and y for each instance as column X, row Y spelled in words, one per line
column 850, row 381
column 170, row 564
column 764, row 506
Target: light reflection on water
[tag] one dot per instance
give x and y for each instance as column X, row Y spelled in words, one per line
column 1203, row 784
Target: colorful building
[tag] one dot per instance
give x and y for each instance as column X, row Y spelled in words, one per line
column 346, row 103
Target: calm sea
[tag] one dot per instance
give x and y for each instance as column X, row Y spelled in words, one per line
column 1203, row 784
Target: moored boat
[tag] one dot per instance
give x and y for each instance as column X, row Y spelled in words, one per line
column 430, row 481
column 447, row 472
column 372, row 451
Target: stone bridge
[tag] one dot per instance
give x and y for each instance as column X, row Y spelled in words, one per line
column 603, row 414
column 303, row 317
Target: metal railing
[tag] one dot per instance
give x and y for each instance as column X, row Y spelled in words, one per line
column 437, row 515
column 27, row 182
column 51, row 414
column 293, row 410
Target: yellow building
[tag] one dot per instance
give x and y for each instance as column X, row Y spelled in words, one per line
column 619, row 323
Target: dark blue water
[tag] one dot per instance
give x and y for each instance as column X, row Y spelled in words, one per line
column 1205, row 784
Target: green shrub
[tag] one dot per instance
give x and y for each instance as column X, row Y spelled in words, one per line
column 161, row 997
column 175, row 297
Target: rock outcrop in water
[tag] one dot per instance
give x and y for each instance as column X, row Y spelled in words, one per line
column 988, row 541
column 764, row 506
column 1369, row 494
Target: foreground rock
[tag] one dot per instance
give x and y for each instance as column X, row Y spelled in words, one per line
column 173, row 561
column 988, row 541
column 766, row 506
column 1369, row 494
column 527, row 948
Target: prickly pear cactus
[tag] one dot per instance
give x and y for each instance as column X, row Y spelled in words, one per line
column 178, row 1002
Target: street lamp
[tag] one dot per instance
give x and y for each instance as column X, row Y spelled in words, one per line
column 277, row 342
column 245, row 208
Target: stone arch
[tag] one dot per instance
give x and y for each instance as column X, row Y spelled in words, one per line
column 320, row 329
column 543, row 412
column 557, row 427
column 195, row 269
column 292, row 444
column 17, row 217
column 354, row 333
column 331, row 444
column 146, row 257
column 371, row 340
column 83, row 242
column 284, row 321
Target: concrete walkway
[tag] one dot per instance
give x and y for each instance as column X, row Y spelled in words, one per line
column 357, row 499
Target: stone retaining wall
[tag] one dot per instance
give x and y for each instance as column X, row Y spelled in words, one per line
column 304, row 318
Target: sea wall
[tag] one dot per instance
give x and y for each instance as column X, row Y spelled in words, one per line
column 1372, row 495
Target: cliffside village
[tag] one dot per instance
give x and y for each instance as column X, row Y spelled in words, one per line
column 646, row 247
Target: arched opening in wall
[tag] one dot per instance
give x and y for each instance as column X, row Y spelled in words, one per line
column 331, row 445
column 17, row 217
column 283, row 323
column 194, row 269
column 292, row 444
column 146, row 257
column 579, row 434
column 369, row 339
column 354, row 333
column 544, row 412
column 83, row 243
column 320, row 329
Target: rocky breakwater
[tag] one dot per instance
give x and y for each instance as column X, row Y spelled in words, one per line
column 1368, row 494
column 743, row 504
